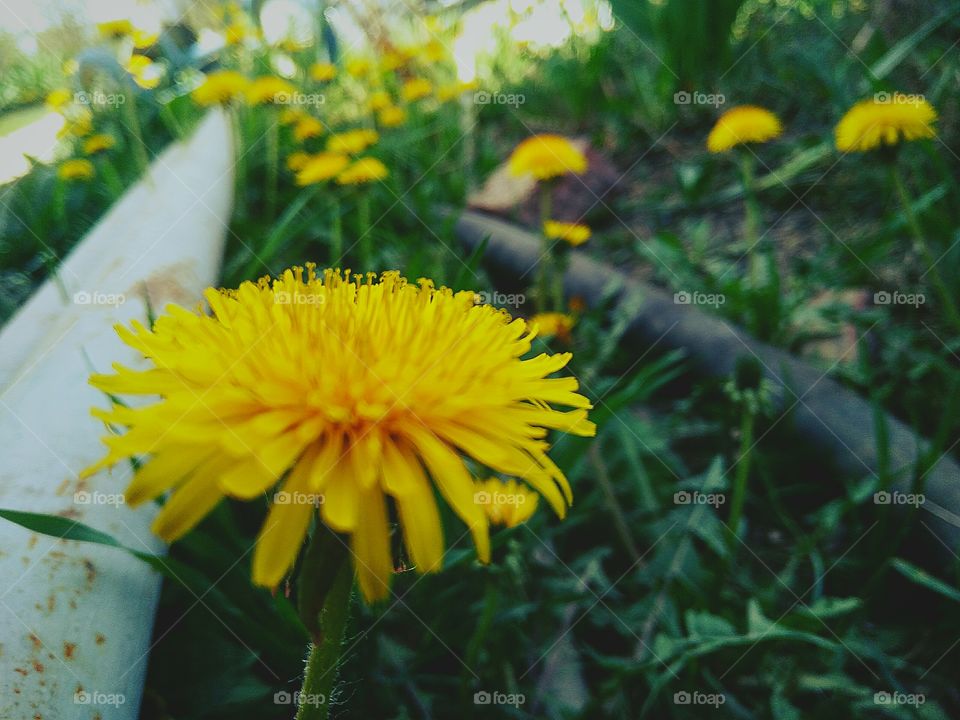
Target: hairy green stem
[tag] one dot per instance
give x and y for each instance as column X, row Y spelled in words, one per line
column 747, row 422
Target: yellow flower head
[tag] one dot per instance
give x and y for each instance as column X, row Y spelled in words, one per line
column 220, row 87
column 505, row 503
column 98, row 143
column 143, row 39
column 392, row 116
column 365, row 170
column 394, row 59
column 446, row 93
column 885, row 120
column 742, row 125
column 379, row 100
column 307, row 127
column 115, row 28
column 332, row 394
column 289, row 116
column 321, row 167
column 553, row 324
column 296, row 160
column 76, row 169
column 269, row 89
column 145, row 72
column 573, row 233
column 323, row 71
column 352, row 142
column 433, row 51
column 59, row 98
column 238, row 31
column 416, row 89
column 358, row 67
column 546, row 156
column 79, row 125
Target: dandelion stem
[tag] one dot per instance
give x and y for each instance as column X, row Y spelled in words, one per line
column 273, row 153
column 949, row 306
column 336, row 232
column 743, row 468
column 363, row 225
column 751, row 225
column 324, row 659
column 133, row 125
column 545, row 269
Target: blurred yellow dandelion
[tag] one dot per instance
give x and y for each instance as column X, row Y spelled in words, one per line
column 307, row 127
column 321, row 167
column 352, row 142
column 573, row 233
column 885, row 120
column 98, row 143
column 76, row 169
column 365, row 170
column 269, row 89
column 392, row 116
column 297, row 160
column 323, row 71
column 546, row 156
column 416, row 89
column 347, row 390
column 115, row 28
column 59, row 98
column 742, row 125
column 220, row 87
column 553, row 324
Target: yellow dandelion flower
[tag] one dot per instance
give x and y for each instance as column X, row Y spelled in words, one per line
column 345, row 393
column 98, row 143
column 392, row 116
column 323, row 71
column 76, row 169
column 546, row 156
column 352, row 142
column 59, row 98
column 394, row 59
column 885, row 120
column 379, row 100
column 505, row 503
column 742, row 125
column 146, row 73
column 365, row 170
column 237, row 32
column 114, row 29
column 296, row 160
column 269, row 89
column 446, row 93
column 358, row 67
column 79, row 125
column 416, row 89
column 220, row 87
column 321, row 167
column 307, row 127
column 433, row 51
column 143, row 39
column 289, row 116
column 553, row 324
column 573, row 233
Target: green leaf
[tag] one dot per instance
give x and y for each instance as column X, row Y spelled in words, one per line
column 921, row 577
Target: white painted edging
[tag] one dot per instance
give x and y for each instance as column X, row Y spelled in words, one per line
column 76, row 618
